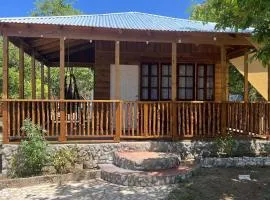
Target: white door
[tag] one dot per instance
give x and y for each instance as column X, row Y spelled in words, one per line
column 129, row 82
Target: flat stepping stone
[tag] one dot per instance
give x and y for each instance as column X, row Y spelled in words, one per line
column 127, row 177
column 146, row 161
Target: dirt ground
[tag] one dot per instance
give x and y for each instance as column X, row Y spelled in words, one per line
column 223, row 184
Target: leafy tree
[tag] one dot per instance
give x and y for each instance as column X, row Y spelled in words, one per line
column 240, row 14
column 84, row 76
column 227, row 13
column 54, row 7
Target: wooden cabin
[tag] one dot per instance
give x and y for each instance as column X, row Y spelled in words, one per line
column 156, row 77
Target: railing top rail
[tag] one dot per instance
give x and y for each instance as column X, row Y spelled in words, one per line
column 58, row 100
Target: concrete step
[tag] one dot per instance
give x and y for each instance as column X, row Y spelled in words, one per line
column 127, row 177
column 146, row 161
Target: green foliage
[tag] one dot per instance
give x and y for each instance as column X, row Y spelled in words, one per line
column 64, row 160
column 240, row 14
column 225, row 145
column 32, row 153
column 54, row 7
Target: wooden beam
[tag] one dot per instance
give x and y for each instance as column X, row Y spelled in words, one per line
column 42, row 80
column 117, row 71
column 90, row 33
column 63, row 127
column 246, row 77
column 33, row 75
column 268, row 83
column 174, row 91
column 5, row 88
column 174, row 71
column 21, row 71
column 223, row 54
column 49, row 81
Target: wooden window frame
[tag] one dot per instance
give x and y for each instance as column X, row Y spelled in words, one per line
column 178, row 84
column 149, row 87
column 206, row 77
column 166, row 76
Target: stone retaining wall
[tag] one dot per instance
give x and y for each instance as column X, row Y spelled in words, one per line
column 100, row 153
column 235, row 162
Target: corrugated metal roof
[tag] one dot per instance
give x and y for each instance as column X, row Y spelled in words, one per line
column 125, row 20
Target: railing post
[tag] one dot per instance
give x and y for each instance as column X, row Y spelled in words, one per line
column 223, row 118
column 118, row 127
column 63, row 127
column 174, row 120
column 5, row 88
column 145, row 119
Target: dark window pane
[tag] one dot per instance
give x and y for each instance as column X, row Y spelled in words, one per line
column 145, row 82
column 201, row 70
column 182, row 70
column 189, row 93
column 182, row 82
column 165, row 82
column 154, row 94
column 189, row 82
column 165, row 93
column 209, row 83
column 170, row 70
column 201, row 83
column 182, row 93
column 154, row 70
column 170, row 82
column 189, row 70
column 145, row 93
column 209, row 94
column 210, row 70
column 200, row 94
column 170, row 94
column 154, row 82
column 165, row 70
column 145, row 70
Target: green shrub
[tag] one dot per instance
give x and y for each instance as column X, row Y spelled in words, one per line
column 32, row 152
column 64, row 160
column 225, row 145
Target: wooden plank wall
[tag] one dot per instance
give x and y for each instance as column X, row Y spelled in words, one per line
column 132, row 53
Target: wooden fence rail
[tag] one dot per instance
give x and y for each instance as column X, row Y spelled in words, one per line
column 111, row 120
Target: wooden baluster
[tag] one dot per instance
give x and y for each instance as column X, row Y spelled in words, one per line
column 168, row 117
column 102, row 119
column 158, row 119
column 150, row 119
column 133, row 118
column 19, row 118
column 14, row 133
column 93, row 118
column 138, row 118
column 191, row 120
column 203, row 117
column 183, row 119
column 107, row 119
column 179, row 119
column 154, row 119
column 118, row 122
column 188, row 118
column 43, row 115
column 162, row 119
column 23, row 116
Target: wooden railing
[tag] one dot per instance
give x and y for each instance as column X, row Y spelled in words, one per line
column 111, row 120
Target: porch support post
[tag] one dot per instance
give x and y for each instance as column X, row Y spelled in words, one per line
column 118, row 127
column 223, row 85
column 33, row 75
column 246, row 77
column 268, row 83
column 174, row 91
column 117, row 71
column 5, row 89
column 62, row 91
column 42, row 79
column 49, row 81
column 21, row 71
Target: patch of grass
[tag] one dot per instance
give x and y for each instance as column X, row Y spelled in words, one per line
column 219, row 184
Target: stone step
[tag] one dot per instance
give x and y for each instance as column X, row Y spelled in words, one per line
column 146, row 161
column 127, row 177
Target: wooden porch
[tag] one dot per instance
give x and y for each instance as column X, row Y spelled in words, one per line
column 114, row 121
column 109, row 118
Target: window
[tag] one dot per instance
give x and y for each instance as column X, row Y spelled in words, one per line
column 185, row 82
column 166, row 71
column 205, row 82
column 149, row 82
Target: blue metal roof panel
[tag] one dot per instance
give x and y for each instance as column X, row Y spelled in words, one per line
column 126, row 20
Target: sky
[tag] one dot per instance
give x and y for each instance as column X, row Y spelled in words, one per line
column 173, row 8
